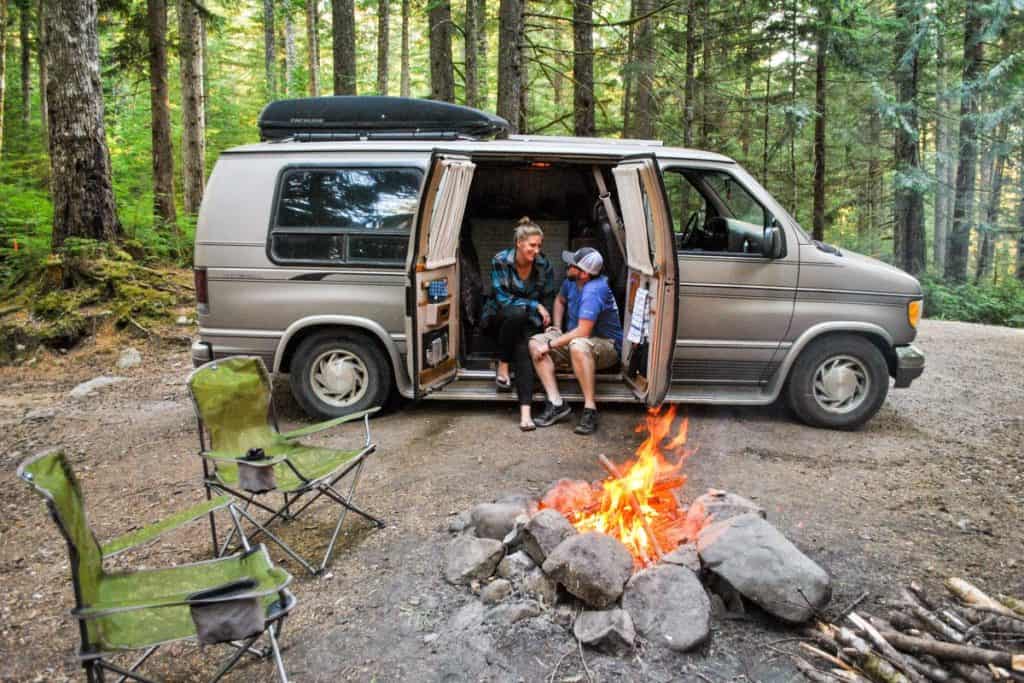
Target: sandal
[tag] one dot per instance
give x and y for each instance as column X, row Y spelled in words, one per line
column 527, row 427
column 503, row 383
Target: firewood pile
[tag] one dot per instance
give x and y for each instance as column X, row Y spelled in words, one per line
column 965, row 637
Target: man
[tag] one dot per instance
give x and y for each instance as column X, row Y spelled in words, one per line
column 592, row 342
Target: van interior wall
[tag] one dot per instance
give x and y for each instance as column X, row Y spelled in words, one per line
column 560, row 198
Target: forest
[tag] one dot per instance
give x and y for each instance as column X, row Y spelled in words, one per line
column 890, row 127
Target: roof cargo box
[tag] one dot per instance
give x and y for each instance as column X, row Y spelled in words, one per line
column 375, row 117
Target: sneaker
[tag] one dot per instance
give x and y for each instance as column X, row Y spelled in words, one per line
column 588, row 422
column 552, row 414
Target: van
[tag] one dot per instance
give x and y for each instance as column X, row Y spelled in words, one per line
column 351, row 250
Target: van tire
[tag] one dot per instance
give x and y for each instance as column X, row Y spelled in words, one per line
column 838, row 382
column 361, row 380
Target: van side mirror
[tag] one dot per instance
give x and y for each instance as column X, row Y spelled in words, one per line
column 772, row 244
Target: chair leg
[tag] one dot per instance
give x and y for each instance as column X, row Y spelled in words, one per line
column 281, row 544
column 233, row 659
column 277, row 655
column 139, row 662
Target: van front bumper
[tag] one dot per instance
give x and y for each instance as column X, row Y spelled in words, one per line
column 909, row 365
column 202, row 352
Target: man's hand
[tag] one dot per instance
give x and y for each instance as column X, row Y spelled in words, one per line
column 545, row 317
column 554, row 329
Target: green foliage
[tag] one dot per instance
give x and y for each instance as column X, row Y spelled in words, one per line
column 993, row 304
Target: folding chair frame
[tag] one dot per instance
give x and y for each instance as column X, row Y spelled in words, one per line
column 324, row 486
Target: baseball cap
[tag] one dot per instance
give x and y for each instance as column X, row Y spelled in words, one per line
column 586, row 259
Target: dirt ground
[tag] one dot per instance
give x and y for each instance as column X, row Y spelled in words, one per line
column 932, row 487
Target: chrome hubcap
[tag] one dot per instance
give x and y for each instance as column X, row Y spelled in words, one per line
column 841, row 384
column 338, row 378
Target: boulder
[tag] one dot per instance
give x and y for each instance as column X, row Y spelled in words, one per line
column 469, row 559
column 538, row 585
column 496, row 591
column 129, row 358
column 591, row 566
column 524, row 500
column 515, row 566
column 544, row 532
column 719, row 506
column 494, row 520
column 510, row 613
column 86, row 388
column 758, row 561
column 669, row 606
column 610, row 630
column 684, row 556
column 460, row 522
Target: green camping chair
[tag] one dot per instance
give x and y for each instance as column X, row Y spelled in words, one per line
column 232, row 600
column 245, row 455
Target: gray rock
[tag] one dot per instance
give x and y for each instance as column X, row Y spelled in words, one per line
column 544, row 532
column 86, row 388
column 524, row 500
column 460, row 522
column 515, row 566
column 496, row 591
column 684, row 556
column 468, row 618
column 40, row 415
column 514, row 538
column 719, row 506
column 607, row 630
column 129, row 358
column 591, row 566
column 494, row 520
column 510, row 613
column 538, row 585
column 758, row 561
column 469, row 559
column 669, row 606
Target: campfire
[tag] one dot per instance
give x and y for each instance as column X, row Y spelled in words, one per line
column 636, row 505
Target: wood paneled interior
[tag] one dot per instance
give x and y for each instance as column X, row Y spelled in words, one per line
column 429, row 375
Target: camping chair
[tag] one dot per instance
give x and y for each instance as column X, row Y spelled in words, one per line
column 247, row 457
column 232, row 600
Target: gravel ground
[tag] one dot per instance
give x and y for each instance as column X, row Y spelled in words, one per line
column 932, row 487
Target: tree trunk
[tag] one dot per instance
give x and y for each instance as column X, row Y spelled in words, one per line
column 163, row 153
column 820, row 110
column 404, row 87
column 705, row 77
column 193, row 115
column 627, row 72
column 290, row 54
column 874, row 172
column 990, row 229
column 471, row 46
column 481, row 52
column 748, row 86
column 943, row 147
column 963, row 207
column 43, row 74
column 642, row 111
column 268, row 49
column 1020, row 215
column 3, row 68
column 524, row 75
column 442, row 76
column 510, row 32
column 908, row 200
column 583, row 68
column 690, row 87
column 383, row 44
column 83, row 196
column 26, row 63
column 343, row 24
column 793, row 184
column 313, row 46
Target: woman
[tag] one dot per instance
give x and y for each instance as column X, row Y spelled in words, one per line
column 524, row 290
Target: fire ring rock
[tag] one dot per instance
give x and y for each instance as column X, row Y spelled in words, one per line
column 669, row 606
column 607, row 630
column 469, row 559
column 544, row 532
column 591, row 566
column 495, row 520
column 759, row 562
column 718, row 506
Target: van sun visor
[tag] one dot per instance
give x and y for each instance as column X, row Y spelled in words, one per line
column 351, row 117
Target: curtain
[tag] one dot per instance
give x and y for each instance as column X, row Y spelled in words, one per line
column 638, row 251
column 449, row 207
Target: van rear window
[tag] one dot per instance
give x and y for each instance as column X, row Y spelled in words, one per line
column 338, row 216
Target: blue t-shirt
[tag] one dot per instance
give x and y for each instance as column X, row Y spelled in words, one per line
column 594, row 301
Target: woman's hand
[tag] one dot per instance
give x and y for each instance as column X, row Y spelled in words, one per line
column 545, row 317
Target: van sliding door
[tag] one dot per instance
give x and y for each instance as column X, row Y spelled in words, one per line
column 432, row 290
column 652, row 298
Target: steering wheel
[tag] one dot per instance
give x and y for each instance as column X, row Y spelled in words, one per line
column 689, row 229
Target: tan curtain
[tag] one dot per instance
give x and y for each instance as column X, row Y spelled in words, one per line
column 638, row 251
column 449, row 207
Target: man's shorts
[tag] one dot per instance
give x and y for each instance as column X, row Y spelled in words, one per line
column 602, row 350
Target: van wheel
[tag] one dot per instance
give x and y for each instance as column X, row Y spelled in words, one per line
column 338, row 373
column 838, row 382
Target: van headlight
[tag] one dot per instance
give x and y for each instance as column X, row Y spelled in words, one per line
column 914, row 310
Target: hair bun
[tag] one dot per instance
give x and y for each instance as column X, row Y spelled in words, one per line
column 525, row 220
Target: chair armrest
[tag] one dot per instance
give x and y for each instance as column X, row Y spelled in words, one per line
column 321, row 426
column 248, row 589
column 224, row 456
column 148, row 533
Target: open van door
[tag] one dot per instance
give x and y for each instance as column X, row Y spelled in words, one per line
column 652, row 294
column 432, row 288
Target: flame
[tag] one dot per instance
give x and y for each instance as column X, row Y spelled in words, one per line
column 638, row 507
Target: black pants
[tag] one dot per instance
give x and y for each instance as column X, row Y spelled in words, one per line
column 514, row 330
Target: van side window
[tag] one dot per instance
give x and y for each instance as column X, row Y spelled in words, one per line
column 339, row 216
column 713, row 212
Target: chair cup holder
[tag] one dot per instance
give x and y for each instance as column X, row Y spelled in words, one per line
column 256, row 479
column 220, row 618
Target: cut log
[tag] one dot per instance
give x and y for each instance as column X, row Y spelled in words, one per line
column 874, row 665
column 1011, row 602
column 811, row 673
column 887, row 650
column 975, row 597
column 932, row 622
column 954, row 652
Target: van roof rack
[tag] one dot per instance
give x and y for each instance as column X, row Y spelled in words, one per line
column 351, row 117
column 585, row 141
